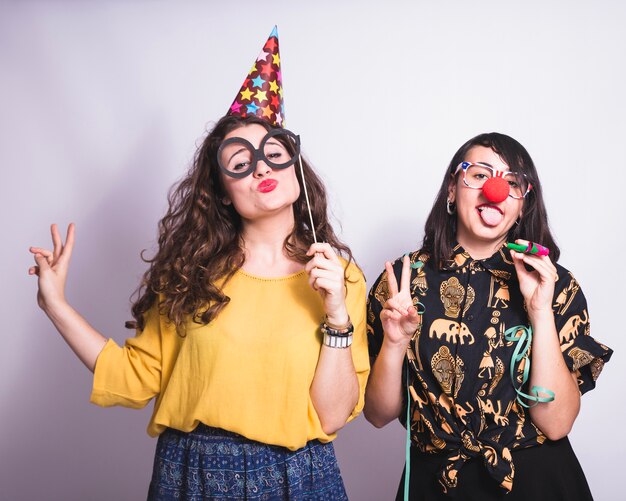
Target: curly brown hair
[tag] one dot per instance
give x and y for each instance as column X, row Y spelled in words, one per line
column 200, row 241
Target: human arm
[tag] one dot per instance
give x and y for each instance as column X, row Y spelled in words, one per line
column 51, row 270
column 399, row 320
column 548, row 369
column 335, row 387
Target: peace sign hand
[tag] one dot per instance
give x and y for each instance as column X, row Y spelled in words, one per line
column 399, row 316
column 51, row 268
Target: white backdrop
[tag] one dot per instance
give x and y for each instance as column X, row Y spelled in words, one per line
column 103, row 103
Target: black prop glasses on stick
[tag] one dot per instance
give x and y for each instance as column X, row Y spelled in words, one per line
column 279, row 149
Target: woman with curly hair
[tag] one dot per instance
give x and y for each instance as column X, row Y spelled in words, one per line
column 245, row 324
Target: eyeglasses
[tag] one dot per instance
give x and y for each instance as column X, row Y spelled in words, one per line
column 279, row 149
column 475, row 175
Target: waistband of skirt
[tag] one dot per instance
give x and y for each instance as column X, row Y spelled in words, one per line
column 205, row 432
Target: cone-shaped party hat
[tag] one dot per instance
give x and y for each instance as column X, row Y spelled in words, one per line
column 262, row 91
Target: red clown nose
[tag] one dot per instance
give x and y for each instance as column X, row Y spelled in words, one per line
column 496, row 189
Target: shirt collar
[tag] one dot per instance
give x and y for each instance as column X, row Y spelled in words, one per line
column 501, row 260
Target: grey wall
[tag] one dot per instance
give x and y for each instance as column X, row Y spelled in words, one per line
column 103, row 103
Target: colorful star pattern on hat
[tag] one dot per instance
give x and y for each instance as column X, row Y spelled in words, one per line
column 262, row 93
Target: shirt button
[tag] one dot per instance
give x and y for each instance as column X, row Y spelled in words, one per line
column 470, row 317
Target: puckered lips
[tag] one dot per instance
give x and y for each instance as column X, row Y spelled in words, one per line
column 267, row 185
column 491, row 215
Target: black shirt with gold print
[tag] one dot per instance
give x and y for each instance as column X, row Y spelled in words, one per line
column 463, row 399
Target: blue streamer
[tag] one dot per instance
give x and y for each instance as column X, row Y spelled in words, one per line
column 407, row 468
column 523, row 336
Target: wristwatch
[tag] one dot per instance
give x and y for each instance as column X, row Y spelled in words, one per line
column 337, row 338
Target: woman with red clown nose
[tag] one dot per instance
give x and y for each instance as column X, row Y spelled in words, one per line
column 250, row 325
column 481, row 351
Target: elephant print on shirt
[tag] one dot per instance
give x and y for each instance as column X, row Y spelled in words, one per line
column 452, row 331
column 570, row 330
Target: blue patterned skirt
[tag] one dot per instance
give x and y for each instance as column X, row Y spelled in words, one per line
column 209, row 463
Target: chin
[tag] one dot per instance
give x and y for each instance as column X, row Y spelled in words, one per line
column 490, row 234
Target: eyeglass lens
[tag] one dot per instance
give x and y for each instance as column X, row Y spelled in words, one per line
column 476, row 176
column 238, row 157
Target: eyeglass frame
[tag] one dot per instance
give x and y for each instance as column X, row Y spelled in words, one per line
column 257, row 153
column 495, row 173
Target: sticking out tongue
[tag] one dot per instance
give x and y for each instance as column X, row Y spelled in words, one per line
column 490, row 215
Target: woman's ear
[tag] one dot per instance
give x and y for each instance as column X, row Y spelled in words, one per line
column 452, row 189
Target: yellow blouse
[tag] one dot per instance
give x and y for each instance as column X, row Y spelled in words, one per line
column 248, row 371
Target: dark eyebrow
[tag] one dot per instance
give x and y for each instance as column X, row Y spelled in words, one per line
column 236, row 153
column 495, row 168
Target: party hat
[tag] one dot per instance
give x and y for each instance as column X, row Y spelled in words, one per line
column 262, row 91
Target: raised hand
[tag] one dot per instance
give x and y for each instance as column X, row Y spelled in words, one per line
column 399, row 316
column 326, row 275
column 536, row 285
column 51, row 268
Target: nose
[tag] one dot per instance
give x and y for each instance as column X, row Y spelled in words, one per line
column 496, row 189
column 261, row 169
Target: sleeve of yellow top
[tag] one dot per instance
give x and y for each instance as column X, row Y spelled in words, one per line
column 130, row 375
column 355, row 301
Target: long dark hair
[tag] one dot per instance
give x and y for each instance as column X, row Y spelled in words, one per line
column 200, row 242
column 440, row 228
